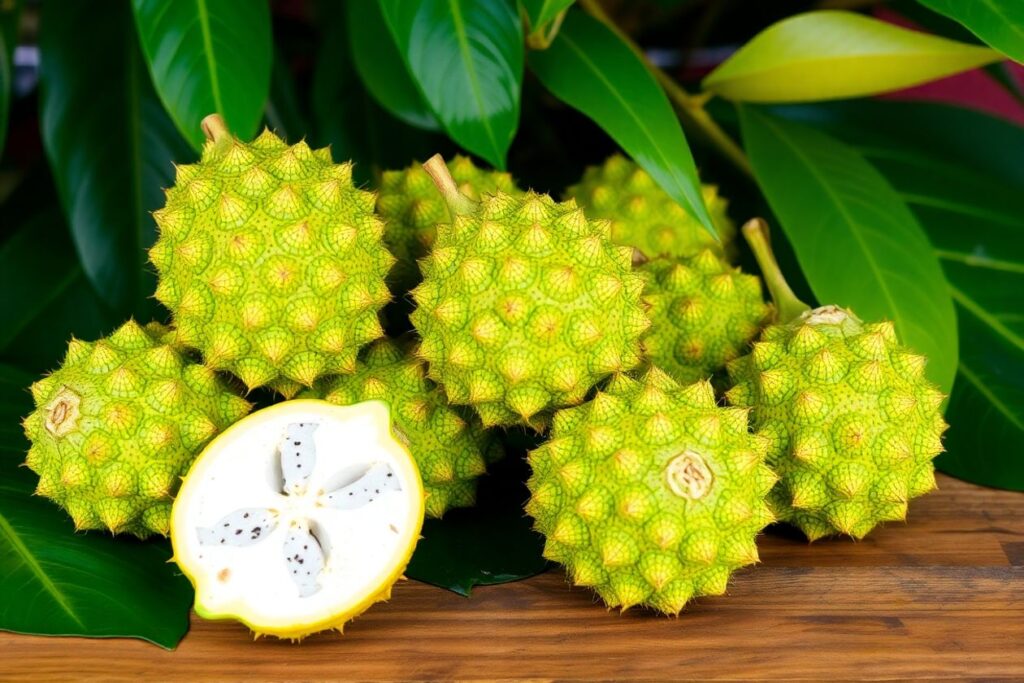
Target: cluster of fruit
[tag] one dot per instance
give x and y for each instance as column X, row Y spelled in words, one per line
column 607, row 322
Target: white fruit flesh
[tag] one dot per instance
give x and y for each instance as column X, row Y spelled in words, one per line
column 299, row 517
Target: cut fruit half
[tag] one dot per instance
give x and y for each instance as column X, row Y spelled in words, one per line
column 299, row 517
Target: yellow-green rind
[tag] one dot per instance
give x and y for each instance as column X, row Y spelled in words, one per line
column 704, row 313
column 118, row 424
column 525, row 305
column 451, row 447
column 650, row 493
column 381, row 592
column 412, row 208
column 271, row 261
column 645, row 217
column 852, row 423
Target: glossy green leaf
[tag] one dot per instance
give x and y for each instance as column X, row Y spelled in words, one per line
column 466, row 57
column 540, row 12
column 589, row 68
column 47, row 297
column 858, row 244
column 110, row 155
column 284, row 113
column 966, row 190
column 5, row 89
column 491, row 543
column 833, row 54
column 1000, row 23
column 381, row 68
column 208, row 56
column 54, row 581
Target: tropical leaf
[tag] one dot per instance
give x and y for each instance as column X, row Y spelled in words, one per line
column 208, row 57
column 56, row 582
column 466, row 57
column 381, row 69
column 540, row 12
column 1000, row 23
column 592, row 70
column 966, row 192
column 858, row 244
column 110, row 156
column 832, row 54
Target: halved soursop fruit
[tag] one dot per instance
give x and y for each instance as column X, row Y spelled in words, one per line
column 299, row 517
column 119, row 423
column 271, row 261
column 451, row 447
column 525, row 304
column 650, row 493
column 412, row 208
column 851, row 421
column 645, row 217
column 704, row 313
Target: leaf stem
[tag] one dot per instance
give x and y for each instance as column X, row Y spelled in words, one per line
column 789, row 307
column 214, row 128
column 542, row 37
column 457, row 202
column 690, row 108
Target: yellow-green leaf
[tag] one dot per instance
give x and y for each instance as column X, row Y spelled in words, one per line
column 832, row 54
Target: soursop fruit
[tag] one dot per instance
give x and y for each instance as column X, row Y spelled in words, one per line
column 412, row 208
column 704, row 313
column 270, row 260
column 851, row 421
column 645, row 217
column 298, row 518
column 451, row 449
column 650, row 493
column 119, row 423
column 525, row 304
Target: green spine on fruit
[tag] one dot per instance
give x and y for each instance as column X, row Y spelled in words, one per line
column 525, row 305
column 270, row 260
column 451, row 449
column 704, row 313
column 645, row 217
column 412, row 208
column 117, row 426
column 852, row 423
column 650, row 493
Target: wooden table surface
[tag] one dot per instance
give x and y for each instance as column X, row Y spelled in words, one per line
column 939, row 597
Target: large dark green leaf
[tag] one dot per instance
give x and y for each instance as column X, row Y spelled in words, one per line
column 56, row 582
column 857, row 242
column 540, row 12
column 381, row 68
column 1000, row 23
column 589, row 68
column 5, row 89
column 110, row 144
column 47, row 298
column 208, row 56
column 959, row 171
column 833, row 54
column 466, row 57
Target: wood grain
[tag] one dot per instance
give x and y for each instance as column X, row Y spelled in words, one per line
column 940, row 597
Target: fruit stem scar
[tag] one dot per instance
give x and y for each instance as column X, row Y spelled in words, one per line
column 688, row 476
column 62, row 412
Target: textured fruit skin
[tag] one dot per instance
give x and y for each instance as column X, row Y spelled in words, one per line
column 411, row 208
column 650, row 493
column 271, row 261
column 704, row 313
column 525, row 305
column 645, row 217
column 451, row 449
column 117, row 426
column 851, row 421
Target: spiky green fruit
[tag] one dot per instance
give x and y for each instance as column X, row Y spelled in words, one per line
column 412, row 208
column 117, row 426
column 852, row 423
column 270, row 259
column 525, row 305
column 704, row 313
column 650, row 493
column 451, row 449
column 645, row 217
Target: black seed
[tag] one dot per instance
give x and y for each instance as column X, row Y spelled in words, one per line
column 389, row 474
column 237, row 531
column 226, row 524
column 376, row 490
column 222, row 540
column 245, row 516
column 349, row 493
column 298, row 443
